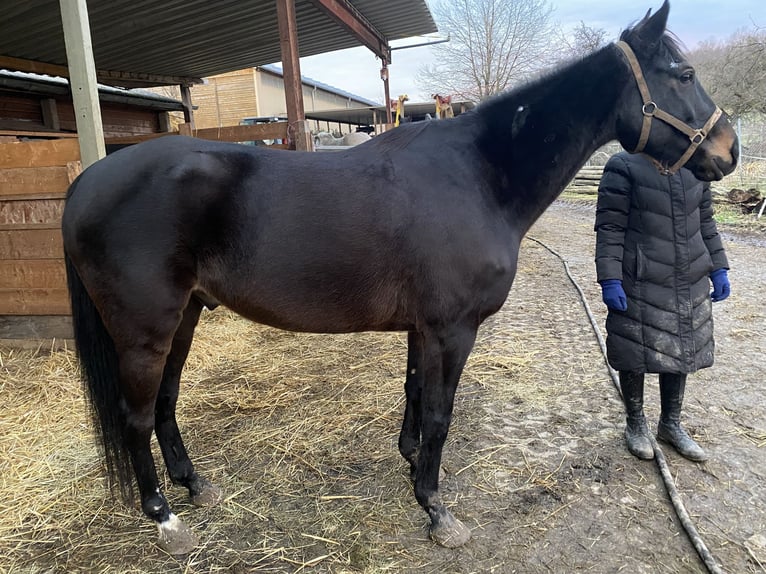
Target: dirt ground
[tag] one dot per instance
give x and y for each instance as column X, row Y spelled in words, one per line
column 535, row 461
column 611, row 510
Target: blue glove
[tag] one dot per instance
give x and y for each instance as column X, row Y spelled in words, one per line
column 613, row 295
column 721, row 285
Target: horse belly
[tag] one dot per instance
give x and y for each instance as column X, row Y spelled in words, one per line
column 318, row 306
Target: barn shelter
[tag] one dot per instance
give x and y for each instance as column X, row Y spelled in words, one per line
column 128, row 44
column 178, row 42
column 374, row 117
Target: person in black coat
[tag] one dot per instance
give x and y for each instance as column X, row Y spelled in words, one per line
column 657, row 251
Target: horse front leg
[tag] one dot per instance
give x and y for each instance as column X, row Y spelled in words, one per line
column 445, row 354
column 177, row 461
column 409, row 437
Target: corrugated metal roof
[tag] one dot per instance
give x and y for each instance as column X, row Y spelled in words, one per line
column 194, row 38
column 306, row 81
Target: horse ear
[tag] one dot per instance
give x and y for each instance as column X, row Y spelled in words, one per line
column 648, row 32
column 659, row 22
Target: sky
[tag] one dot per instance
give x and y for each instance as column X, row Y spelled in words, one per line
column 358, row 71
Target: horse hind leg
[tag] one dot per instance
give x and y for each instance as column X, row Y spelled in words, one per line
column 177, row 461
column 143, row 330
column 140, row 373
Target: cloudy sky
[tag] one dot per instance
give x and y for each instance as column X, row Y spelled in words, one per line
column 357, row 70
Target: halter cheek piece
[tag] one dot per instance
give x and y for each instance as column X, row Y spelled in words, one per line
column 651, row 110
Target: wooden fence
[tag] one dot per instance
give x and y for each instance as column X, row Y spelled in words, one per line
column 34, row 177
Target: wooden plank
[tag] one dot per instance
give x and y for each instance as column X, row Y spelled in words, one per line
column 38, row 134
column 36, row 327
column 35, row 211
column 48, row 301
column 33, row 181
column 32, row 273
column 73, row 169
column 134, row 139
column 22, row 226
column 276, row 130
column 39, row 153
column 40, row 243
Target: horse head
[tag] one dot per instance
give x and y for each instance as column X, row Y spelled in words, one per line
column 666, row 113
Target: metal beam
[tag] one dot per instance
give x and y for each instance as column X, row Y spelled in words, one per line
column 343, row 12
column 112, row 77
column 82, row 79
column 288, row 42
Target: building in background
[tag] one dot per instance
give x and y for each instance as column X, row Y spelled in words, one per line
column 229, row 99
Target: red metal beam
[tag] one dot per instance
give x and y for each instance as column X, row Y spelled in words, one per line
column 343, row 12
column 288, row 40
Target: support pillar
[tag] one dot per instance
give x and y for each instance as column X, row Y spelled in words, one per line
column 186, row 99
column 82, row 80
column 387, row 92
column 288, row 42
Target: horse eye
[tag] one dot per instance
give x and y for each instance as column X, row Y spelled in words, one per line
column 687, row 77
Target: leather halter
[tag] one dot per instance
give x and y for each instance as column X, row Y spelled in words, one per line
column 651, row 110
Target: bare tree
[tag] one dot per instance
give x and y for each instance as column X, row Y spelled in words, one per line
column 734, row 71
column 494, row 44
column 582, row 41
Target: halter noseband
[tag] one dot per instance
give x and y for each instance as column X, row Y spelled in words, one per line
column 651, row 110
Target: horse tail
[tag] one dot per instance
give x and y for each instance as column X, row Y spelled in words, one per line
column 99, row 366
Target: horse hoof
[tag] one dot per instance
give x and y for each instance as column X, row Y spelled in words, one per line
column 209, row 495
column 448, row 531
column 175, row 537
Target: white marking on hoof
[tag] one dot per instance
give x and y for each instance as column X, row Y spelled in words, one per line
column 175, row 537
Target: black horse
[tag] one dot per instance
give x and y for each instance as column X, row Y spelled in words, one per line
column 417, row 230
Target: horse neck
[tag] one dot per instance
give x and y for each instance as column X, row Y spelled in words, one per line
column 537, row 137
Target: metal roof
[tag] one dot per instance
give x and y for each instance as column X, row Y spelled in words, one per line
column 195, row 38
column 306, row 81
column 366, row 116
column 55, row 86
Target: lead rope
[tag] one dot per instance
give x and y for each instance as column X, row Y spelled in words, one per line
column 659, row 456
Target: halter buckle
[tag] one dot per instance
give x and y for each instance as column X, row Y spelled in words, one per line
column 697, row 137
column 649, row 108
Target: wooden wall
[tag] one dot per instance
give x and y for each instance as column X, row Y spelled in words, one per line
column 226, row 99
column 34, row 177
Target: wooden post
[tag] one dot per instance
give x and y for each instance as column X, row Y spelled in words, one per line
column 288, row 42
column 82, row 80
column 387, row 92
column 50, row 114
column 186, row 99
column 303, row 139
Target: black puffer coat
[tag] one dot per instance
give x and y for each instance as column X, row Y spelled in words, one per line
column 657, row 234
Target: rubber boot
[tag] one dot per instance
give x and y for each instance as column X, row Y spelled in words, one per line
column 636, row 430
column 669, row 429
